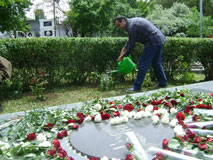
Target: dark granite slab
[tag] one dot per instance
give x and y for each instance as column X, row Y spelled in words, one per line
column 102, row 139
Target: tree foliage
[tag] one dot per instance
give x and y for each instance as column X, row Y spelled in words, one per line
column 96, row 16
column 171, row 21
column 12, row 15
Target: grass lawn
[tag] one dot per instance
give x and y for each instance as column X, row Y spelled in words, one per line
column 72, row 94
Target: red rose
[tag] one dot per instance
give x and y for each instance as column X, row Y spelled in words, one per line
column 180, row 116
column 167, row 97
column 210, row 139
column 69, row 158
column 197, row 139
column 159, row 156
column 51, row 152
column 49, row 126
column 114, row 106
column 195, row 117
column 140, row 109
column 155, row 108
column 111, row 102
column 75, row 126
column 203, row 147
column 60, row 136
column 168, row 104
column 182, row 94
column 144, row 104
column 128, row 107
column 129, row 146
column 182, row 124
column 62, row 153
column 56, row 143
column 187, row 110
column 64, row 133
column 120, row 106
column 31, row 136
column 93, row 158
column 70, row 121
column 130, row 157
column 174, row 102
column 211, row 94
column 137, row 103
column 165, row 143
column 186, row 138
column 116, row 114
column 199, row 99
column 105, row 116
column 80, row 119
column 80, row 115
column 191, row 134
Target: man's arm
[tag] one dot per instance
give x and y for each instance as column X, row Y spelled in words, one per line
column 123, row 51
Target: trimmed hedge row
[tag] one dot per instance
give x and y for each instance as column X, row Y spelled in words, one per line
column 76, row 60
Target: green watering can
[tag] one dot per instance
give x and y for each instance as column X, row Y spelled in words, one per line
column 126, row 66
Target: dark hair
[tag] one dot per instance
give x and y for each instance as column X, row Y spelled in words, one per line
column 120, row 18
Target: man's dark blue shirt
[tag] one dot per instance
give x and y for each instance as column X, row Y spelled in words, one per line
column 142, row 31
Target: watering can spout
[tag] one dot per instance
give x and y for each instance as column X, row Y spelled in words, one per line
column 126, row 66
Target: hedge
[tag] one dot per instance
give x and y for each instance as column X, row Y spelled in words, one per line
column 77, row 60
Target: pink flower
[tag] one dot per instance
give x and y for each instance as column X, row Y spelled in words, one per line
column 62, row 153
column 51, row 152
column 116, row 114
column 165, row 143
column 203, row 147
column 129, row 146
column 211, row 94
column 56, row 143
column 31, row 136
column 197, row 139
column 64, row 133
column 75, row 126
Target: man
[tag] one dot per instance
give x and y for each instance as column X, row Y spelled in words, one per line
column 143, row 31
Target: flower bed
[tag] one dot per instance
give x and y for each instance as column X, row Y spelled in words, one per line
column 36, row 135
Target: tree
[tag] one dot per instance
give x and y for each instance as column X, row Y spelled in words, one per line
column 13, row 15
column 96, row 16
column 171, row 21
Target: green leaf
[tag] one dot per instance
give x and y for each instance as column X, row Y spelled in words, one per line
column 174, row 144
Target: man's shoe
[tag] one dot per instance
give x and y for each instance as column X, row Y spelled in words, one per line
column 132, row 90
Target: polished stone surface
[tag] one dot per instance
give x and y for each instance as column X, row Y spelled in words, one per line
column 103, row 139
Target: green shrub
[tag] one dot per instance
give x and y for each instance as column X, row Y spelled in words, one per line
column 80, row 60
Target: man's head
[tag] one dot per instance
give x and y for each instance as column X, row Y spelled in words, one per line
column 120, row 22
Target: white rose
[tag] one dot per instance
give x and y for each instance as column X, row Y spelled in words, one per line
column 163, row 111
column 149, row 108
column 173, row 110
column 88, row 118
column 148, row 114
column 156, row 112
column 143, row 114
column 179, row 130
column 45, row 144
column 115, row 159
column 97, row 107
column 125, row 113
column 124, row 119
column 137, row 116
column 41, row 137
column 155, row 119
column 173, row 122
column 131, row 114
column 114, row 121
column 98, row 118
column 104, row 158
column 165, row 119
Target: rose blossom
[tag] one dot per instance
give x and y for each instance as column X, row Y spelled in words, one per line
column 124, row 119
column 128, row 107
column 155, row 119
column 41, row 137
column 165, row 143
column 203, row 147
column 56, row 143
column 105, row 116
column 49, row 126
column 31, row 136
column 149, row 108
column 60, row 136
column 88, row 118
column 104, row 158
column 173, row 110
column 51, row 152
column 180, row 116
column 179, row 130
column 93, row 158
column 45, row 144
column 148, row 114
column 173, row 122
column 117, row 113
column 130, row 157
column 98, row 118
column 197, row 140
column 62, row 153
column 64, row 133
column 97, row 107
column 165, row 119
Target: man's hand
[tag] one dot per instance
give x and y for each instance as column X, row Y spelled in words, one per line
column 120, row 58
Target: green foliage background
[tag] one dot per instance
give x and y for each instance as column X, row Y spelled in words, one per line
column 81, row 60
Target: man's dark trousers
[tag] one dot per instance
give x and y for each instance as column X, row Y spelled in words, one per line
column 150, row 55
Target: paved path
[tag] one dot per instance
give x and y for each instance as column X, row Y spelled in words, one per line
column 206, row 87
